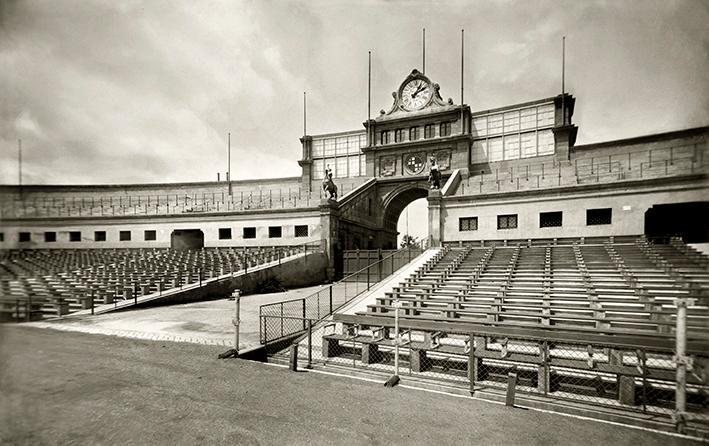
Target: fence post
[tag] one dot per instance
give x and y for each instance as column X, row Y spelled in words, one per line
column 681, row 360
column 368, row 277
column 92, row 302
column 310, row 344
column 237, row 319
column 331, row 298
column 303, row 313
column 135, row 295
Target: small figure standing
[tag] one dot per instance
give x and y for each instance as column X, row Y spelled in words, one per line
column 434, row 175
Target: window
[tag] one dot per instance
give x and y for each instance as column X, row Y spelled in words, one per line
column 99, row 236
column 124, row 236
column 25, row 237
column 549, row 219
column 301, row 230
column 445, row 129
column 150, row 235
column 599, row 216
column 224, row 233
column 75, row 236
column 398, row 135
column 274, row 231
column 50, row 237
column 413, row 133
column 468, row 224
column 384, row 138
column 507, row 221
column 249, row 232
column 429, row 131
column 2, row 236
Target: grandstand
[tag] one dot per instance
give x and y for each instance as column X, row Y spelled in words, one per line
column 578, row 269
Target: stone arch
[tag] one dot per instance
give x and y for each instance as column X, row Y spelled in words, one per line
column 394, row 204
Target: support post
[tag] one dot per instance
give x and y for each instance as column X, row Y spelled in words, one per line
column 237, row 320
column 681, row 360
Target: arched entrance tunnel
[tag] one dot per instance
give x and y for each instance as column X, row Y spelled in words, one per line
column 393, row 208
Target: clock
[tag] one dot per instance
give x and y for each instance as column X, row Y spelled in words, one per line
column 416, row 94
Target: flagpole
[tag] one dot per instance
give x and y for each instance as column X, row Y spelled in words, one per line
column 369, row 98
column 563, row 74
column 229, row 162
column 423, row 68
column 462, row 66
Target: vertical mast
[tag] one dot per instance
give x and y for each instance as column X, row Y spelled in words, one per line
column 563, row 74
column 369, row 98
column 305, row 115
column 462, row 66
column 228, row 174
column 423, row 68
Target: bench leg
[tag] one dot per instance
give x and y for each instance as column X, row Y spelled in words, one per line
column 370, row 353
column 626, row 390
column 418, row 361
column 329, row 347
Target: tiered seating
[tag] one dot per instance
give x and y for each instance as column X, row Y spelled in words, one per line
column 37, row 283
column 612, row 287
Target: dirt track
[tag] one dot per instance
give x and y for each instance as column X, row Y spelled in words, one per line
column 72, row 388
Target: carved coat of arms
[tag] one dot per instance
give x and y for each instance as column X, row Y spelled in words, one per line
column 387, row 166
column 414, row 162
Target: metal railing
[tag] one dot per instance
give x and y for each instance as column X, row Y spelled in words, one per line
column 659, row 377
column 329, row 299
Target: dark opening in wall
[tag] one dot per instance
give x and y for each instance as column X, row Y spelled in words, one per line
column 75, row 236
column 50, row 236
column 429, row 131
column 301, row 230
column 25, row 237
column 468, row 224
column 124, row 236
column 150, row 235
column 507, row 221
column 275, row 231
column 224, row 233
column 413, row 133
column 550, row 219
column 599, row 216
column 249, row 232
column 99, row 236
column 445, row 129
column 2, row 236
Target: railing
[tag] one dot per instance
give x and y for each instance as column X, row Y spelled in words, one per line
column 646, row 164
column 329, row 299
column 22, row 307
column 164, row 204
column 655, row 376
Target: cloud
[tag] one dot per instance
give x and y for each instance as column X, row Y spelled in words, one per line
column 133, row 91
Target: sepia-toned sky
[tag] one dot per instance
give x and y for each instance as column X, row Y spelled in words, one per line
column 146, row 91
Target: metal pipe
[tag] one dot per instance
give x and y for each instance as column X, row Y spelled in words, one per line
column 237, row 321
column 681, row 359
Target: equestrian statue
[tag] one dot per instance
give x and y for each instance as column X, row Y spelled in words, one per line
column 328, row 185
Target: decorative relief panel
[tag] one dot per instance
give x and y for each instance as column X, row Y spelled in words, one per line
column 387, row 166
column 443, row 158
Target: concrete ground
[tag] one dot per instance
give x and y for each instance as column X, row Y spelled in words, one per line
column 208, row 322
column 73, row 388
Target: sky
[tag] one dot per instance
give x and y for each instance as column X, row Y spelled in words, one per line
column 146, row 91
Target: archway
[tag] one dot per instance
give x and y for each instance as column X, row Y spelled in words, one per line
column 187, row 239
column 687, row 220
column 394, row 206
column 412, row 221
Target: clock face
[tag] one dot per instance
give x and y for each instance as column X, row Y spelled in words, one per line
column 415, row 94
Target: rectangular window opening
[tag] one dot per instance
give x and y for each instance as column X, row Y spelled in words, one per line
column 224, row 233
column 275, row 231
column 301, row 230
column 599, row 216
column 507, row 221
column 124, row 236
column 150, row 235
column 550, row 219
column 99, row 236
column 250, row 232
column 75, row 236
column 25, row 237
column 50, row 236
column 468, row 224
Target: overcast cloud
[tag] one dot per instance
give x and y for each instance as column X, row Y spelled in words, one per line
column 130, row 91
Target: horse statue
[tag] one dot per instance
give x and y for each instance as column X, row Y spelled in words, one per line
column 434, row 175
column 329, row 186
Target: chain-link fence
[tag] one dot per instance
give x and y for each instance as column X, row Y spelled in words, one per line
column 329, row 299
column 648, row 375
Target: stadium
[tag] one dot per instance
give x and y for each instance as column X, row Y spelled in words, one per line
column 568, row 279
